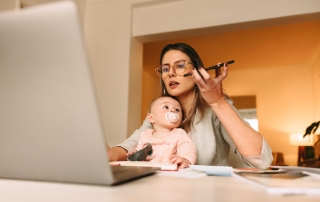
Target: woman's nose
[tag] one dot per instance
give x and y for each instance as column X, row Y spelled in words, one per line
column 172, row 72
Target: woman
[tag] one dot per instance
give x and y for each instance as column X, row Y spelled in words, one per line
column 211, row 120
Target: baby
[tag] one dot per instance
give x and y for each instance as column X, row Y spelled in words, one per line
column 170, row 144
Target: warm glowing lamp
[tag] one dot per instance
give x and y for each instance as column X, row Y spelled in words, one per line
column 306, row 150
column 297, row 139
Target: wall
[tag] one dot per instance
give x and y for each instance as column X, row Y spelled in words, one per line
column 278, row 64
column 8, row 5
column 115, row 31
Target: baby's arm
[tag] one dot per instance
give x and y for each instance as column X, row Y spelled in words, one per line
column 186, row 149
column 138, row 147
column 142, row 151
column 142, row 154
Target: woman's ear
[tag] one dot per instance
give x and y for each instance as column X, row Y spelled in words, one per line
column 150, row 118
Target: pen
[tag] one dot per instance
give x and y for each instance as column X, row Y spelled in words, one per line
column 213, row 67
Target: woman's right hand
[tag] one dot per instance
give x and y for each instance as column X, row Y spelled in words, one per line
column 116, row 153
column 211, row 89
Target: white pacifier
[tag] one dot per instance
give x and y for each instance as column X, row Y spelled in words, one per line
column 172, row 117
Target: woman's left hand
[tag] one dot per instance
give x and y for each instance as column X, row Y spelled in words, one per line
column 211, row 89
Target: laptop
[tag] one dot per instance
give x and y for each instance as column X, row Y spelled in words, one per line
column 50, row 126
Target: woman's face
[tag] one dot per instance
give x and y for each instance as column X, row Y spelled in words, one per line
column 177, row 85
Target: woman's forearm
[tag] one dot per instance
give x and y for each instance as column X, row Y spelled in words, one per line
column 247, row 140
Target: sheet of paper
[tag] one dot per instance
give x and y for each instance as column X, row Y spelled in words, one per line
column 312, row 174
column 214, row 170
column 184, row 173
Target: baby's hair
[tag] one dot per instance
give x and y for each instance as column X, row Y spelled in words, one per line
column 154, row 100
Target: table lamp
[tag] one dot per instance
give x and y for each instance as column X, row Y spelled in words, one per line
column 305, row 145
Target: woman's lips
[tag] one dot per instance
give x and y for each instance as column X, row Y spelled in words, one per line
column 173, row 84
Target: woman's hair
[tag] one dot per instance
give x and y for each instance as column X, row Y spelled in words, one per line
column 199, row 103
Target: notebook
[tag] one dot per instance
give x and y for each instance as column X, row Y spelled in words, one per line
column 287, row 180
column 50, row 127
column 162, row 166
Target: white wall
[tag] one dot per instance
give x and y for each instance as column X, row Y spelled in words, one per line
column 15, row 4
column 204, row 15
column 8, row 5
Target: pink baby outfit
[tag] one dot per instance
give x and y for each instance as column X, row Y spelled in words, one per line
column 177, row 142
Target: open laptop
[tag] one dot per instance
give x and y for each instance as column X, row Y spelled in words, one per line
column 50, row 127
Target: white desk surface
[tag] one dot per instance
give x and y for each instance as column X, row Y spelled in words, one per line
column 151, row 188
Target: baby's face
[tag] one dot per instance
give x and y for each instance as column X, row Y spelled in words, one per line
column 167, row 111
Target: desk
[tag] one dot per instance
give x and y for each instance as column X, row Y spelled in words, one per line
column 152, row 188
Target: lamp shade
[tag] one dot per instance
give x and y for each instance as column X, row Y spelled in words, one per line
column 298, row 140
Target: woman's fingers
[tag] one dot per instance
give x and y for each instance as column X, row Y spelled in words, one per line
column 223, row 73
column 200, row 77
column 210, row 89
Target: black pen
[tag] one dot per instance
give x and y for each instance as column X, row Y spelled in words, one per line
column 213, row 67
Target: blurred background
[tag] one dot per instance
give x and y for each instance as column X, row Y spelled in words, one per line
column 275, row 80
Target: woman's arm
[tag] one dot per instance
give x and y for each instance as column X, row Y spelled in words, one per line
column 116, row 153
column 246, row 139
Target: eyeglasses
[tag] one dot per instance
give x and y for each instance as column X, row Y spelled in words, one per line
column 178, row 68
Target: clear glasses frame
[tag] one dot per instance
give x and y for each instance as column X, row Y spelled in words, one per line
column 179, row 67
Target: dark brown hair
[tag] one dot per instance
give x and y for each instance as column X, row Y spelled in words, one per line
column 199, row 103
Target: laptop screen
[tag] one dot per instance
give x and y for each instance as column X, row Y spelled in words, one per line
column 50, row 126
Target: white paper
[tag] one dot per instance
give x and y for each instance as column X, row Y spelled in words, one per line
column 214, row 170
column 184, row 173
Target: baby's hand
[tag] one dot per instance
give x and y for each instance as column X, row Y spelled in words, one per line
column 181, row 162
column 132, row 152
column 140, row 155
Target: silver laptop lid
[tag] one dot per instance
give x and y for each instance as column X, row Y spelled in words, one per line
column 50, row 128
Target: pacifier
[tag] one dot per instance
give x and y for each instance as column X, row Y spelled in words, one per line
column 172, row 117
